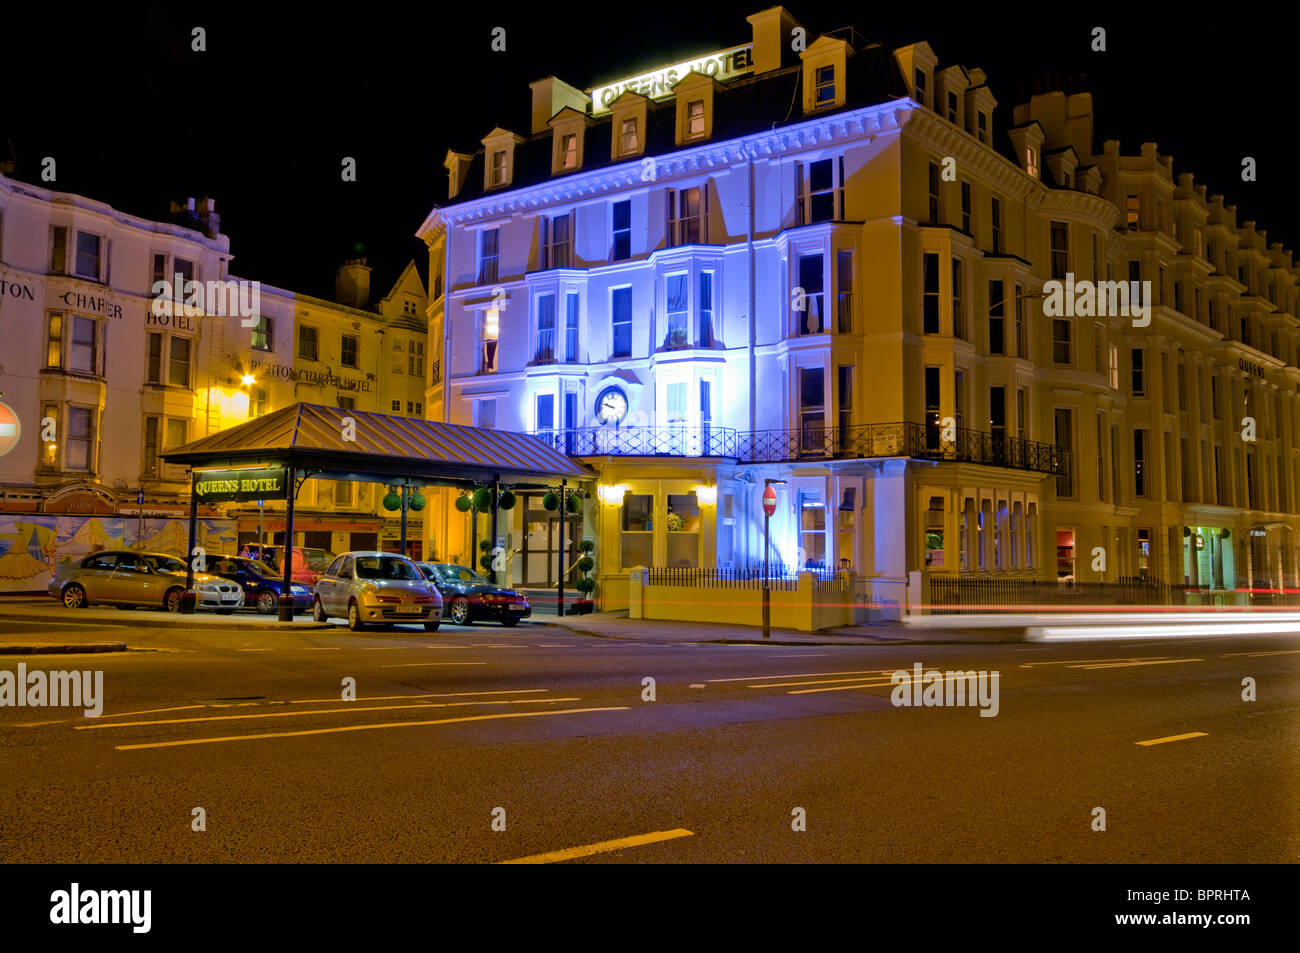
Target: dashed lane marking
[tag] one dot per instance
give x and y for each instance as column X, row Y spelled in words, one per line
column 603, row 847
column 321, row 711
column 1161, row 741
column 374, row 727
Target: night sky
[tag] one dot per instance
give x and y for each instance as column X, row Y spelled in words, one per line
column 262, row 120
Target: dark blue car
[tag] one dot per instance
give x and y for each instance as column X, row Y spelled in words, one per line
column 261, row 584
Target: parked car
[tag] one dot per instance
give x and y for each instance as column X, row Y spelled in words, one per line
column 262, row 585
column 308, row 563
column 468, row 597
column 373, row 587
column 139, row 579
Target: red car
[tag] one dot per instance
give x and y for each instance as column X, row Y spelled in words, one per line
column 308, row 563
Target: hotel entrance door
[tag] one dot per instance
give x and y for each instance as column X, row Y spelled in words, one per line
column 542, row 543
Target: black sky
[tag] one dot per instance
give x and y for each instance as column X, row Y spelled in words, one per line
column 262, row 120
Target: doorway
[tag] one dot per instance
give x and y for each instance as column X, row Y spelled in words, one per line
column 541, row 542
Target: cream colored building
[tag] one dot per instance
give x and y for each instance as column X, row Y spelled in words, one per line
column 100, row 383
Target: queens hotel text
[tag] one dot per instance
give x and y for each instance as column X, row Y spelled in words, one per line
column 820, row 263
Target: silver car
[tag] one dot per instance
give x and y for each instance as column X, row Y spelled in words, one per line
column 139, row 579
column 373, row 587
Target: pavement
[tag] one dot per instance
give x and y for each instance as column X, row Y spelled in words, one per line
column 601, row 750
column 51, row 624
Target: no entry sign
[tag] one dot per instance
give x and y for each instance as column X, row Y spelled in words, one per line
column 769, row 501
column 10, row 429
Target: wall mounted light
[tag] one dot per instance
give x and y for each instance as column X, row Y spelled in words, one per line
column 707, row 495
column 612, row 494
column 248, row 380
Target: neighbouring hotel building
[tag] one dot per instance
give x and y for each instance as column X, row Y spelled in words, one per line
column 827, row 267
column 95, row 385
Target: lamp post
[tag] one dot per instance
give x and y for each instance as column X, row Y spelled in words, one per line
column 769, row 507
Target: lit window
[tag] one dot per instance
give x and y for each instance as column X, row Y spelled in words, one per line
column 629, row 143
column 262, row 333
column 491, row 332
column 498, row 168
column 695, row 119
column 569, row 152
column 54, row 341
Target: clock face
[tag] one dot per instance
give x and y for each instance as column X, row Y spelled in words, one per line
column 611, row 406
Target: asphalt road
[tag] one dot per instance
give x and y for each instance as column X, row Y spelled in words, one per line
column 554, row 728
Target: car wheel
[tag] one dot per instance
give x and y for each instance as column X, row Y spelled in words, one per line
column 318, row 611
column 509, row 622
column 354, row 617
column 431, row 626
column 267, row 602
column 74, row 597
column 459, row 612
column 172, row 601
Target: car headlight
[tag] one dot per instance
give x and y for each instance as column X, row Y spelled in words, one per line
column 206, row 587
column 298, row 590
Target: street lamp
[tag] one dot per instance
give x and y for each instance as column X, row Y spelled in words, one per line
column 769, row 507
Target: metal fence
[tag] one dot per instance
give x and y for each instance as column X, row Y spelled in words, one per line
column 946, row 596
column 781, row 578
column 814, row 442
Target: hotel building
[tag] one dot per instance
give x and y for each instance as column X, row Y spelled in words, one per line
column 97, row 384
column 815, row 260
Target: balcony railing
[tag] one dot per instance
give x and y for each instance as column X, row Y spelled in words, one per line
column 907, row 439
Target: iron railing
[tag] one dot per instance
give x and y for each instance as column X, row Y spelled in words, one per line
column 950, row 596
column 781, row 577
column 907, row 439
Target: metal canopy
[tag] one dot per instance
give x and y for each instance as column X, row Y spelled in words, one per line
column 387, row 448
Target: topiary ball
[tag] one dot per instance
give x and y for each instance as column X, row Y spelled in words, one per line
column 463, row 503
column 482, row 499
column 484, row 545
column 486, row 562
column 587, row 545
column 417, row 501
column 392, row 501
column 585, row 584
column 575, row 504
column 506, row 500
column 551, row 501
column 586, row 563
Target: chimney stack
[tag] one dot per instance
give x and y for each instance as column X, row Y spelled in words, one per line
column 352, row 284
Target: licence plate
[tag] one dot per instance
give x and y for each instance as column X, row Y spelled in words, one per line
column 409, row 610
column 516, row 607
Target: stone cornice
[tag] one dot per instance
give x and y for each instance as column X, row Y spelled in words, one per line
column 945, row 139
column 858, row 125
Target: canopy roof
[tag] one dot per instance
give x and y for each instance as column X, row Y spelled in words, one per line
column 388, row 448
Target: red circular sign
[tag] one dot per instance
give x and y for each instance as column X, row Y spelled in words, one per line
column 769, row 501
column 10, row 428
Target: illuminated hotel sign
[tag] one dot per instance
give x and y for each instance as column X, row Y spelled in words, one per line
column 240, row 486
column 658, row 84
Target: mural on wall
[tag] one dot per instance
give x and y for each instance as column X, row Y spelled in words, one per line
column 32, row 547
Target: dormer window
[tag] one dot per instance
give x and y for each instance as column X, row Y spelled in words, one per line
column 695, row 119
column 982, row 124
column 628, row 143
column 569, row 152
column 952, row 107
column 824, row 91
column 921, row 84
column 499, row 168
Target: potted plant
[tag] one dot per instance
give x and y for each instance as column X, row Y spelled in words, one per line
column 586, row 584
